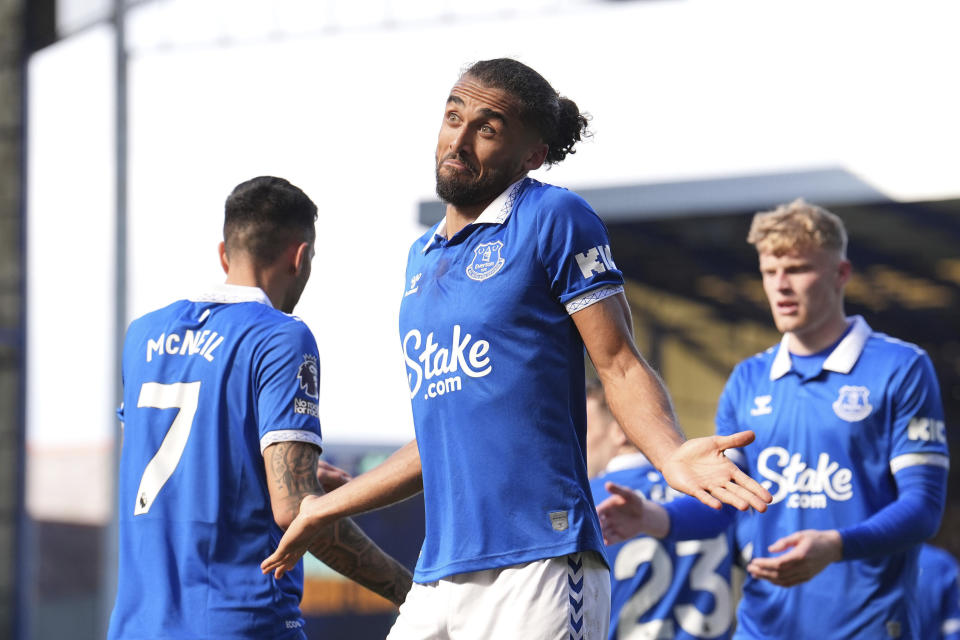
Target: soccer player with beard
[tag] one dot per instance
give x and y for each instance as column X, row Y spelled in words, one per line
column 850, row 440
column 221, row 443
column 499, row 300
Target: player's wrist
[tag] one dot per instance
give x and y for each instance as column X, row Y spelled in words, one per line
column 834, row 544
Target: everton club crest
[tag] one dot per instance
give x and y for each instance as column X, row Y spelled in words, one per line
column 853, row 404
column 487, row 261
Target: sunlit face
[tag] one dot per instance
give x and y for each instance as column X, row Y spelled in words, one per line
column 483, row 146
column 805, row 289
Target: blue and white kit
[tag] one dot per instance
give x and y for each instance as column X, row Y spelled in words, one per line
column 839, row 435
column 209, row 383
column 496, row 377
column 665, row 588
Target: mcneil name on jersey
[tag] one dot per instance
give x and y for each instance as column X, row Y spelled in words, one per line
column 191, row 343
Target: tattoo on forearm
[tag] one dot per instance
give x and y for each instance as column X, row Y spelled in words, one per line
column 347, row 550
column 294, row 466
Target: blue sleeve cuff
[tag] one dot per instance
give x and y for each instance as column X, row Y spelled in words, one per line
column 910, row 519
column 690, row 519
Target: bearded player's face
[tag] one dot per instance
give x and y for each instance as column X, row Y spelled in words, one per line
column 483, row 146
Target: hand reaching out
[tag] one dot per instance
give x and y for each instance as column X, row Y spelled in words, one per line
column 331, row 477
column 699, row 468
column 626, row 514
column 808, row 552
column 296, row 539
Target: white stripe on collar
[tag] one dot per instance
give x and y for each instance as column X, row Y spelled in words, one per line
column 230, row 293
column 840, row 360
column 439, row 230
column 626, row 461
column 496, row 212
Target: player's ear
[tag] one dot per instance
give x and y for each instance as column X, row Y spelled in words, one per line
column 536, row 156
column 224, row 262
column 300, row 257
column 844, row 271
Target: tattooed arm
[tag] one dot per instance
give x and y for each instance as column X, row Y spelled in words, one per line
column 291, row 476
column 399, row 477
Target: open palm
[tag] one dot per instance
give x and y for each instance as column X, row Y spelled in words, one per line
column 699, row 468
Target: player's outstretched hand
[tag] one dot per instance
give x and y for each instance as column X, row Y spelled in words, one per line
column 807, row 553
column 296, row 539
column 699, row 468
column 331, row 477
column 626, row 514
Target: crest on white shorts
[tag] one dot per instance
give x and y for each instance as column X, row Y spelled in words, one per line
column 853, row 403
column 487, row 261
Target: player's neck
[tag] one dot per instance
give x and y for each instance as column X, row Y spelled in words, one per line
column 460, row 217
column 264, row 279
column 814, row 340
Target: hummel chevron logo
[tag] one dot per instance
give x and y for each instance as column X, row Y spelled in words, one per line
column 763, row 406
column 575, row 582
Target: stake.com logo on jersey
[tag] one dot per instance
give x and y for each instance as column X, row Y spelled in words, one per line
column 428, row 360
column 807, row 487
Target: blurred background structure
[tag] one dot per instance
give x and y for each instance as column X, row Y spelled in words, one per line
column 125, row 123
column 12, row 330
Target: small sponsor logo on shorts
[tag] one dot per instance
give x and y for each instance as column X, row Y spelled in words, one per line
column 293, row 624
column 558, row 519
column 893, row 629
column 306, row 407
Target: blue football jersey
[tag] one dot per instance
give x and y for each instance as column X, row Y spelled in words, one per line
column 209, row 383
column 664, row 588
column 495, row 370
column 938, row 594
column 828, row 443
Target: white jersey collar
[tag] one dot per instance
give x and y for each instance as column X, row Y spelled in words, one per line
column 840, row 360
column 626, row 461
column 496, row 212
column 230, row 293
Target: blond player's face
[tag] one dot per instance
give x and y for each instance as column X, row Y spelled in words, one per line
column 804, row 288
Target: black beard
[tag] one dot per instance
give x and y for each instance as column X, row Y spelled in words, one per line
column 460, row 192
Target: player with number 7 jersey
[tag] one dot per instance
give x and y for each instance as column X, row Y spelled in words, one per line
column 209, row 382
column 220, row 443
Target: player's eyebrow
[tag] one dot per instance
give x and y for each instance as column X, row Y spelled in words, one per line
column 493, row 114
column 486, row 112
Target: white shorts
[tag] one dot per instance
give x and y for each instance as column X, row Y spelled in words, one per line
column 563, row 598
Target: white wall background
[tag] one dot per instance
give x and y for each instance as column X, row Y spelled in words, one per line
column 344, row 99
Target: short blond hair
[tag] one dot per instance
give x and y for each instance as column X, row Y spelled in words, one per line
column 798, row 226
